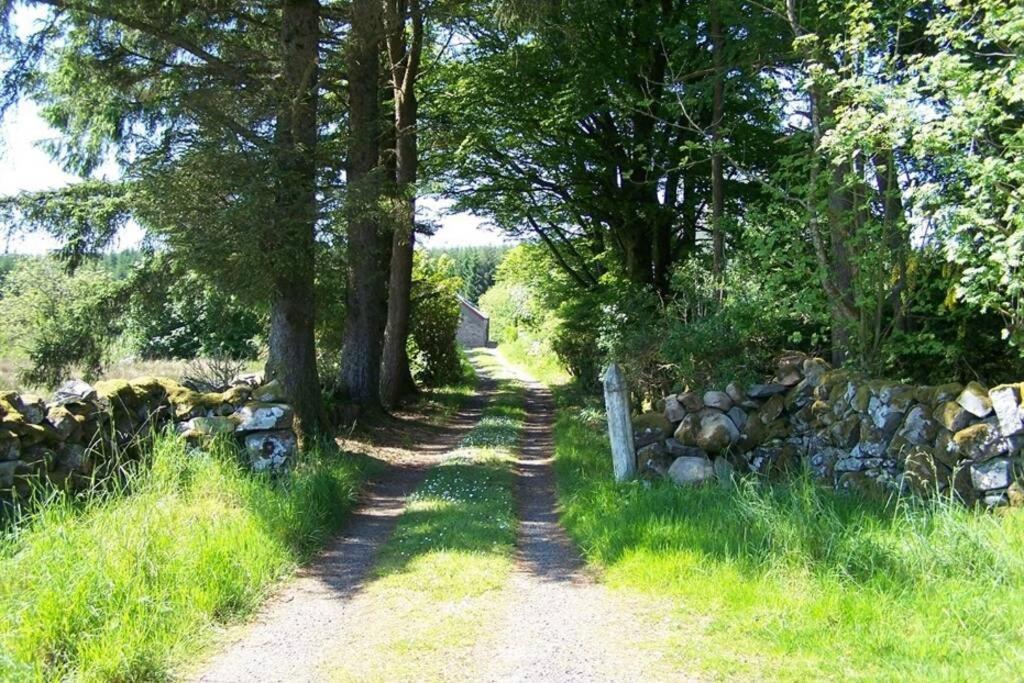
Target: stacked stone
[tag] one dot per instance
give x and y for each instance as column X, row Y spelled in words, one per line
column 871, row 436
column 84, row 431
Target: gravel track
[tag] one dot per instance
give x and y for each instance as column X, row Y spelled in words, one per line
column 559, row 623
column 552, row 622
column 297, row 628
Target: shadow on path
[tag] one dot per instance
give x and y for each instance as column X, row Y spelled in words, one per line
column 545, row 550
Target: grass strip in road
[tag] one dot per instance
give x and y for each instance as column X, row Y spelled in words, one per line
column 121, row 587
column 795, row 582
column 450, row 555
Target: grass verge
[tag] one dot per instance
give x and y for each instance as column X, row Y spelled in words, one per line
column 438, row 576
column 122, row 587
column 796, row 582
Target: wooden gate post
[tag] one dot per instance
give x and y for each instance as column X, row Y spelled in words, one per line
column 620, row 426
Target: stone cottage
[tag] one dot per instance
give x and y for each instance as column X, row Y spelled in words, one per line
column 474, row 326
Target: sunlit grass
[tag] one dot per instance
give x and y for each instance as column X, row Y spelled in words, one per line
column 796, row 582
column 533, row 355
column 123, row 587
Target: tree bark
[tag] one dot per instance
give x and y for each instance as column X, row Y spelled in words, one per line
column 292, row 357
column 366, row 300
column 717, row 113
column 404, row 58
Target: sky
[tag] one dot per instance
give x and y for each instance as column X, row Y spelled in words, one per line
column 24, row 166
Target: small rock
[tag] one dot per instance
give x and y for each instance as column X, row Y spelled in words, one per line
column 207, row 426
column 771, row 410
column 649, row 428
column 717, row 433
column 963, row 486
column 270, row 450
column 251, row 380
column 74, row 391
column 992, row 474
column 692, row 401
column 32, row 408
column 686, row 471
column 675, row 449
column 1015, row 495
column 918, row 428
column 995, row 499
column 687, row 431
column 674, row 410
column 652, row 452
column 849, row 464
column 718, row 400
column 974, row 399
column 1006, row 402
column 271, row 392
column 762, row 391
column 979, row 442
column 814, row 369
column 260, row 417
column 738, row 417
column 62, row 421
column 736, row 393
column 924, row 475
column 952, row 416
column 823, row 463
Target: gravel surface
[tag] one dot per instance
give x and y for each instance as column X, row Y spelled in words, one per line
column 559, row 623
column 298, row 627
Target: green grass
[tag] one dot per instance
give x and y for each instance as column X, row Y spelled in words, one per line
column 796, row 582
column 526, row 352
column 439, row 578
column 440, row 403
column 122, row 587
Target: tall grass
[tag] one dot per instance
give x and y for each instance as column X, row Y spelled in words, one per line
column 796, row 581
column 122, row 587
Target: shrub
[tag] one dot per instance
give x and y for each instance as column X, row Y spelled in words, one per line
column 176, row 313
column 59, row 320
column 434, row 320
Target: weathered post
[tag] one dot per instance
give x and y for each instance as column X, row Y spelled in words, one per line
column 620, row 427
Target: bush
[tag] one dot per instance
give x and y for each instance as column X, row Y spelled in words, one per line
column 176, row 313
column 59, row 320
column 434, row 320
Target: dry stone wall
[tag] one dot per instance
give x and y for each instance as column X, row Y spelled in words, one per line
column 84, row 431
column 870, row 436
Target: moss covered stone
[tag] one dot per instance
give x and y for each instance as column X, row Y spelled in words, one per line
column 978, row 442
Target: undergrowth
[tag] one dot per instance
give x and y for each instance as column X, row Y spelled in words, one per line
column 795, row 581
column 121, row 587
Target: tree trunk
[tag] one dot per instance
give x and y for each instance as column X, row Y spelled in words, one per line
column 717, row 113
column 292, row 358
column 367, row 277
column 396, row 377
